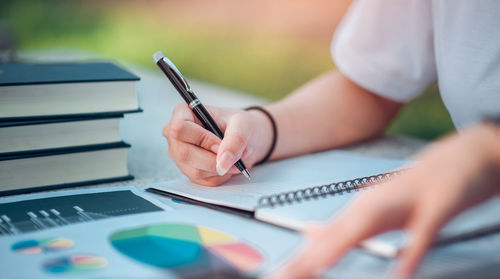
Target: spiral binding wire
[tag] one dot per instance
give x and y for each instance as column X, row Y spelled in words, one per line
column 325, row 190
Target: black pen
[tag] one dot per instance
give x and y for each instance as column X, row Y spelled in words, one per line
column 180, row 83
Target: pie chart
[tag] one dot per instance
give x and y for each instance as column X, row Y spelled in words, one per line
column 186, row 248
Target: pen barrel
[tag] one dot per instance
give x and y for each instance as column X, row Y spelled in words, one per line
column 208, row 122
column 176, row 81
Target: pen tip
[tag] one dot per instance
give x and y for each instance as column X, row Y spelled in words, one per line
column 246, row 173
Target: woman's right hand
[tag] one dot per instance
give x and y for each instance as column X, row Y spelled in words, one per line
column 202, row 156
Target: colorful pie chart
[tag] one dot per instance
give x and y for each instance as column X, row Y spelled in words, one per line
column 75, row 264
column 34, row 246
column 187, row 248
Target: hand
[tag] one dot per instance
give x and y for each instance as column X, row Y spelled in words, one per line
column 202, row 156
column 450, row 176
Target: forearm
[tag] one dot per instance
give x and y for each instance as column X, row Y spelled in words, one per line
column 329, row 112
column 488, row 136
column 469, row 160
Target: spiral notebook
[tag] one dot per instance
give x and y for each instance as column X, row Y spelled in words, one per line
column 324, row 181
column 315, row 188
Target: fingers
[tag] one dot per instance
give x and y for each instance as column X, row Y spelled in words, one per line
column 213, row 180
column 365, row 217
column 234, row 143
column 318, row 253
column 421, row 235
column 197, row 151
column 183, row 128
column 183, row 113
column 326, row 245
column 193, row 133
column 197, row 163
column 193, row 156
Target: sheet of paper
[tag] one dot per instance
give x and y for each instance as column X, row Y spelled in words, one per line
column 284, row 175
column 135, row 236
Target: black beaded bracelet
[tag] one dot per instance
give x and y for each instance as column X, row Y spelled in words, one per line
column 275, row 132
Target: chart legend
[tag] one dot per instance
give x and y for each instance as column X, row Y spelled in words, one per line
column 33, row 246
column 78, row 263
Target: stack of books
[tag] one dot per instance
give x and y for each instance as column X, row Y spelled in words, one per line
column 59, row 124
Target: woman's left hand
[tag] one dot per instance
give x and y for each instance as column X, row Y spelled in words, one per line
column 450, row 176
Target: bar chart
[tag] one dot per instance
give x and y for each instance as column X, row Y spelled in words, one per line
column 40, row 214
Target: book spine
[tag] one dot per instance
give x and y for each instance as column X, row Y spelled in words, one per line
column 16, row 120
column 34, row 189
column 61, row 150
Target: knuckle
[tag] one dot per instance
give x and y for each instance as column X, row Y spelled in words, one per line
column 176, row 130
column 179, row 108
column 206, row 140
column 182, row 154
column 196, row 174
column 165, row 130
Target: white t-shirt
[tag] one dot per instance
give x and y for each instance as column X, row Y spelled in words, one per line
column 398, row 48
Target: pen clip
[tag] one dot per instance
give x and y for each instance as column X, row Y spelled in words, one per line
column 177, row 72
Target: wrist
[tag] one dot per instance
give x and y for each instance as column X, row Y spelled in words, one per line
column 487, row 145
column 263, row 135
column 491, row 133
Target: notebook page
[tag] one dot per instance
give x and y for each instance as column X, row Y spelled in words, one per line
column 282, row 176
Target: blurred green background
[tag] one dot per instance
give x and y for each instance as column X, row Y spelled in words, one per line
column 262, row 47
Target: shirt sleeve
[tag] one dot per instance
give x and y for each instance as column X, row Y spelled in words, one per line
column 386, row 46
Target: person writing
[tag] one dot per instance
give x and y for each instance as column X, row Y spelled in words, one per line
column 387, row 52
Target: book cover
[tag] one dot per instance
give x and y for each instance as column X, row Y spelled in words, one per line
column 68, row 72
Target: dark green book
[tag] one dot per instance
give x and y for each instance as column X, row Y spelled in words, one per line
column 54, row 90
column 33, row 170
column 33, row 135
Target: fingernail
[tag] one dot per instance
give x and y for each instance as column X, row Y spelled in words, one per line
column 248, row 152
column 224, row 163
column 214, row 148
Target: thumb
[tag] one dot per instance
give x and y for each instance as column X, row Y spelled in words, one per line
column 233, row 144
